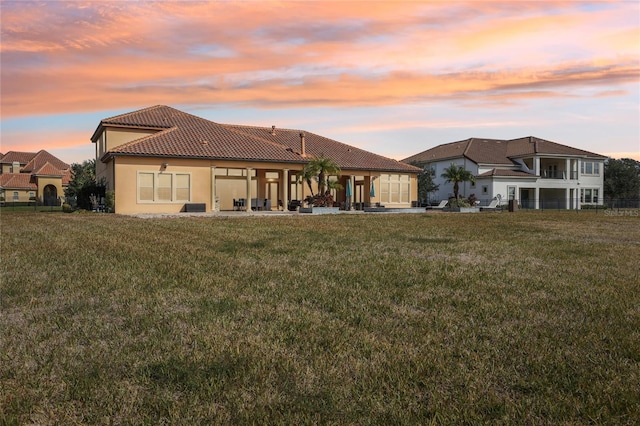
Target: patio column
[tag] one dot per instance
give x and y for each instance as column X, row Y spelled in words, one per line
column 353, row 189
column 536, row 203
column 248, row 201
column 285, row 189
column 213, row 188
column 536, row 165
column 567, row 169
column 567, row 199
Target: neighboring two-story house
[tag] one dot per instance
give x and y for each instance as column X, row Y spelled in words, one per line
column 162, row 160
column 535, row 172
column 33, row 176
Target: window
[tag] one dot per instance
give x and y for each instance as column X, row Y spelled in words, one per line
column 183, row 187
column 145, row 186
column 164, row 187
column 16, row 196
column 222, row 171
column 485, row 189
column 588, row 195
column 511, row 192
column 590, row 168
column 394, row 188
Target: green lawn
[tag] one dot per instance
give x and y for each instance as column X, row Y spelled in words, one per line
column 525, row 318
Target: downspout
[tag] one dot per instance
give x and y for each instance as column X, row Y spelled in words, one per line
column 113, row 183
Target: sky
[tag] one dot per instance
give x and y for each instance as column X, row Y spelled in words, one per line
column 394, row 78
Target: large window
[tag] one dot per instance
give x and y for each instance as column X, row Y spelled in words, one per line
column 163, row 187
column 590, row 168
column 394, row 189
column 589, row 196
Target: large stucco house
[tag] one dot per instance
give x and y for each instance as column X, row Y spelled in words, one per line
column 162, row 160
column 33, row 176
column 536, row 173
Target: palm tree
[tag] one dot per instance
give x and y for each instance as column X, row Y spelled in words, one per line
column 319, row 168
column 306, row 175
column 334, row 184
column 457, row 174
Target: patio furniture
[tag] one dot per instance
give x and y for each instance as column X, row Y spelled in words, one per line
column 440, row 206
column 293, row 205
column 493, row 206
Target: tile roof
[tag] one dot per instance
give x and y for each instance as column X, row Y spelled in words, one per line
column 530, row 145
column 506, row 173
column 34, row 164
column 184, row 135
column 33, row 160
column 497, row 151
column 346, row 156
column 48, row 169
column 17, row 181
column 21, row 157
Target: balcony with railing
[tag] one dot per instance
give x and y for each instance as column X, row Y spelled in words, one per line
column 554, row 168
column 552, row 174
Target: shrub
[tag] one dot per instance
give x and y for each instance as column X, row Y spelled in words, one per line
column 67, row 208
column 458, row 202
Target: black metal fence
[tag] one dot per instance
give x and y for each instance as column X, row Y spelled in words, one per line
column 28, row 206
column 547, row 203
column 571, row 204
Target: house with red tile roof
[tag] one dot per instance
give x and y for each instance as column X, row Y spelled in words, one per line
column 162, row 160
column 33, row 176
column 534, row 172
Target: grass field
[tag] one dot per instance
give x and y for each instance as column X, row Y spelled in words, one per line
column 525, row 318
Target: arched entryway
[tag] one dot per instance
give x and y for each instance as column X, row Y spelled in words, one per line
column 50, row 195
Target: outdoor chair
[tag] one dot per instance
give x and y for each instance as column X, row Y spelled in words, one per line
column 493, row 205
column 442, row 204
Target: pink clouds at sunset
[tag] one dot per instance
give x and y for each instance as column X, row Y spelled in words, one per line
column 353, row 71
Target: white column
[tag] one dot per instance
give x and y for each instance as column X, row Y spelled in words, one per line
column 285, row 189
column 213, row 188
column 248, row 200
column 568, row 199
column 536, row 165
column 567, row 169
column 537, row 198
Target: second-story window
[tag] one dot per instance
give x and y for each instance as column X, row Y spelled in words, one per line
column 590, row 168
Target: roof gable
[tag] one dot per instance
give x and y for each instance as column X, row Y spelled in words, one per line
column 40, row 159
column 47, row 169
